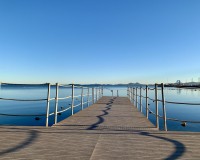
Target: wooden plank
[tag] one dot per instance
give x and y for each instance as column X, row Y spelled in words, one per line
column 108, row 113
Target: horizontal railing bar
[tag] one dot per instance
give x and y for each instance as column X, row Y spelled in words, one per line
column 51, row 114
column 153, row 113
column 77, row 86
column 186, row 103
column 77, row 96
column 12, row 99
column 177, row 120
column 86, row 87
column 65, row 97
column 64, row 110
column 82, row 87
column 62, row 85
column 23, row 84
column 23, row 115
column 77, row 105
column 151, row 99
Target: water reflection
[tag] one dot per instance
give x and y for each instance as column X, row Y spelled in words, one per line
column 179, row 91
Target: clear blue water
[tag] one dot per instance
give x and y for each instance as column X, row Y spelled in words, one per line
column 183, row 112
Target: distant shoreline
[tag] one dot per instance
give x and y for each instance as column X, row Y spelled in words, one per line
column 188, row 87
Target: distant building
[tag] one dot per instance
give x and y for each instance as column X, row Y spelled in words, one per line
column 178, row 82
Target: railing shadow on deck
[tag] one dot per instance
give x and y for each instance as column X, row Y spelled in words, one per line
column 179, row 147
column 32, row 136
column 100, row 117
column 101, row 120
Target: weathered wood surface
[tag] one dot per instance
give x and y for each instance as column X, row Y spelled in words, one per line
column 109, row 129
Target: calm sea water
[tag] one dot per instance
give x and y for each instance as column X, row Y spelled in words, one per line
column 182, row 112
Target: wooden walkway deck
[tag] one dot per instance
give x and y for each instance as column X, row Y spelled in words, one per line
column 110, row 129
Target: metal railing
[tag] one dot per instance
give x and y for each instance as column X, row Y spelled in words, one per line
column 95, row 95
column 114, row 92
column 133, row 95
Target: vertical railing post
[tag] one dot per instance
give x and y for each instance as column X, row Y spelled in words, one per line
column 117, row 93
column 93, row 95
column 140, row 99
column 56, row 104
column 112, row 93
column 102, row 91
column 147, row 105
column 96, row 95
column 136, row 98
column 88, row 95
column 156, row 105
column 48, row 104
column 164, row 109
column 72, row 105
column 127, row 93
column 133, row 95
column 99, row 92
column 81, row 98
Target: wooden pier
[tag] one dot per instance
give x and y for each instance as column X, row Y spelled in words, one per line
column 110, row 129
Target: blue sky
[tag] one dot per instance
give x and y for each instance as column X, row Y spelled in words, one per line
column 99, row 41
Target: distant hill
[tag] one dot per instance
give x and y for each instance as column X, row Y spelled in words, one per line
column 5, row 85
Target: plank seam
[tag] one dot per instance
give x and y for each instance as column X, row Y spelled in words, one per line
column 95, row 146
